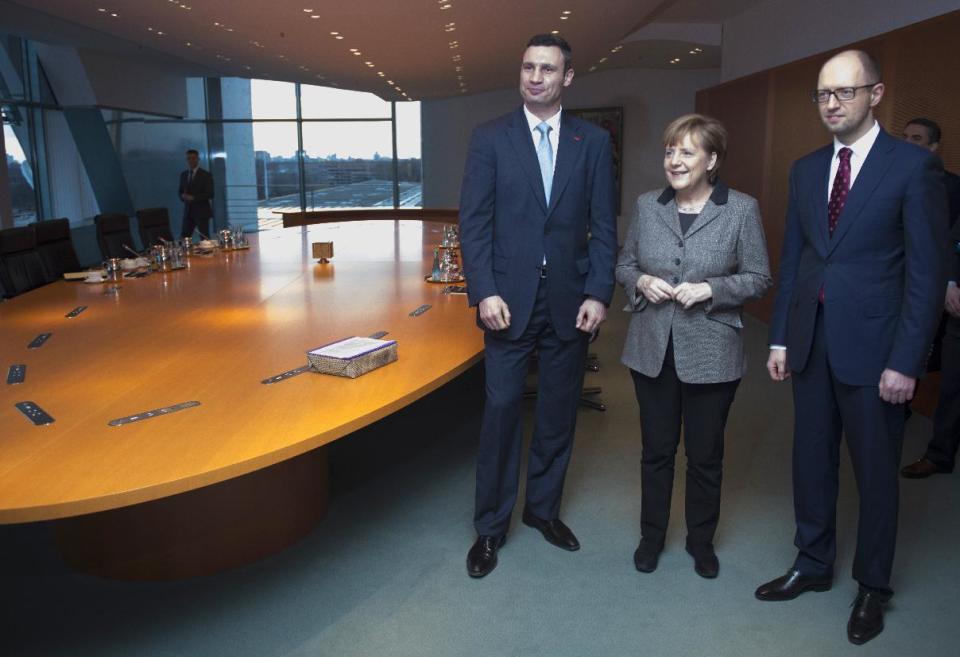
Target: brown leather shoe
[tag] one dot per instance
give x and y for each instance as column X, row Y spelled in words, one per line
column 921, row 469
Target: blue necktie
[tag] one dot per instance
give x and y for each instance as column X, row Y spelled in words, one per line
column 545, row 155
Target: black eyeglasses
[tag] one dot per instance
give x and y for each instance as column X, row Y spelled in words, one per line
column 822, row 96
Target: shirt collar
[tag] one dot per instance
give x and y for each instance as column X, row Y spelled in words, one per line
column 720, row 194
column 533, row 121
column 861, row 147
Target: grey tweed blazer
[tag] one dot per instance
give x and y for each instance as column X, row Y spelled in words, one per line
column 724, row 247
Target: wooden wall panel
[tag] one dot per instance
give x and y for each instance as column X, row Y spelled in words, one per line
column 924, row 80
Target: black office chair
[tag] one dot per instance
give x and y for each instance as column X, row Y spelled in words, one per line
column 113, row 234
column 21, row 268
column 154, row 226
column 55, row 247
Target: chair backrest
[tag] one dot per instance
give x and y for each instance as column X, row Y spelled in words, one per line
column 56, row 247
column 153, row 224
column 113, row 232
column 21, row 268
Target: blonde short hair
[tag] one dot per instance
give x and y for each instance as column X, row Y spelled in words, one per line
column 705, row 131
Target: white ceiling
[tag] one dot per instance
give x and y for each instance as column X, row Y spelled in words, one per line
column 408, row 49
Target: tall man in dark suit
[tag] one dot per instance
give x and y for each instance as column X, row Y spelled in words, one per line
column 538, row 235
column 196, row 190
column 861, row 284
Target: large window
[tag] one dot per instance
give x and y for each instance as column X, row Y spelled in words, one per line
column 23, row 198
column 271, row 146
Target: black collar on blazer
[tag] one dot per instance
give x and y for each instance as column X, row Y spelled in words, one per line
column 719, row 195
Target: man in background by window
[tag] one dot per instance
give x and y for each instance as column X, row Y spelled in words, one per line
column 941, row 453
column 196, row 190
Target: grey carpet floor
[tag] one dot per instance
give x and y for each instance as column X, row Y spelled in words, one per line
column 384, row 574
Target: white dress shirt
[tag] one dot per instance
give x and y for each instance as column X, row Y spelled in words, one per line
column 861, row 148
column 554, row 122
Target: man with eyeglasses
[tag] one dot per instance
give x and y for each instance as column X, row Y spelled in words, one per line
column 941, row 453
column 860, row 289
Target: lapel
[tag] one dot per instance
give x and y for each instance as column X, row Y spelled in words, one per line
column 713, row 208
column 871, row 173
column 820, row 193
column 667, row 211
column 522, row 142
column 569, row 149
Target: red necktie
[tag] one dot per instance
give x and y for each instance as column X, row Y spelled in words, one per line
column 838, row 195
column 841, row 187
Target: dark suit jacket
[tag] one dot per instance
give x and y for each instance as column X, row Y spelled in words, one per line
column 506, row 225
column 882, row 271
column 201, row 187
column 952, row 182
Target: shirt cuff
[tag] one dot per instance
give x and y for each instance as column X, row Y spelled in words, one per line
column 778, row 347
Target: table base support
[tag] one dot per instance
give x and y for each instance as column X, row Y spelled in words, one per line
column 204, row 531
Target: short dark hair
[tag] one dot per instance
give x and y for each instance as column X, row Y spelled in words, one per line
column 933, row 128
column 554, row 41
column 193, row 151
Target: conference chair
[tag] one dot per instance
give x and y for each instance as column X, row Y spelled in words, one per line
column 55, row 247
column 113, row 233
column 21, row 268
column 154, row 226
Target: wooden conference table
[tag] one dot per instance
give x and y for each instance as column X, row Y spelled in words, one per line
column 239, row 476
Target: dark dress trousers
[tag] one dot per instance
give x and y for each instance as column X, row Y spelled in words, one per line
column 507, row 227
column 882, row 278
column 942, row 449
column 686, row 364
column 196, row 213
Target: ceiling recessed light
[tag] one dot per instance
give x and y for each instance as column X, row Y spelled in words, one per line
column 381, row 74
column 339, row 36
column 308, row 11
column 315, row 16
column 566, row 12
column 554, row 31
column 358, row 53
column 114, row 14
column 102, row 10
column 334, row 33
column 563, row 18
column 602, row 60
column 591, row 69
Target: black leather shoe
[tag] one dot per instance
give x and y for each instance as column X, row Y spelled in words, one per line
column 553, row 530
column 866, row 619
column 482, row 557
column 791, row 585
column 646, row 556
column 705, row 561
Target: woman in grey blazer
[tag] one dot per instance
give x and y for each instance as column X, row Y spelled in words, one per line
column 694, row 254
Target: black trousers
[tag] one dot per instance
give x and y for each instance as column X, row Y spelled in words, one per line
column 824, row 409
column 942, row 449
column 189, row 223
column 560, row 380
column 666, row 403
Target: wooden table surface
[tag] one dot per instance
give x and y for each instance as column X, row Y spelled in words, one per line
column 211, row 333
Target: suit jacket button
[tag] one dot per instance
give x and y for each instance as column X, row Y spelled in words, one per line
column 676, row 280
column 680, row 244
column 676, row 261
